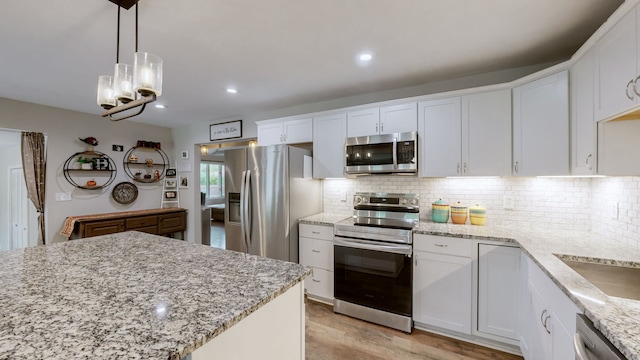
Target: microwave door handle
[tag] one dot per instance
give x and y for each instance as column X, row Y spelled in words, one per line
column 395, row 153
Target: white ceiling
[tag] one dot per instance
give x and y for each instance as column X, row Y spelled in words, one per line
column 278, row 53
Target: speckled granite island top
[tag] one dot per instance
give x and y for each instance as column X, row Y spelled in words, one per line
column 129, row 296
column 618, row 319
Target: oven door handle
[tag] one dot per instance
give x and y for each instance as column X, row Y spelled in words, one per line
column 395, row 249
column 395, row 153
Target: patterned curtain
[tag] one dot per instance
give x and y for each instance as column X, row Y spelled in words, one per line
column 34, row 163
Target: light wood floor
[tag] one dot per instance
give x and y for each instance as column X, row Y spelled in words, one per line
column 332, row 336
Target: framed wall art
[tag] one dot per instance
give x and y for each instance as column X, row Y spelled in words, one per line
column 226, row 130
column 184, row 182
column 170, row 183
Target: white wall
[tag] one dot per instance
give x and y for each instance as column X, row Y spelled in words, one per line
column 63, row 128
column 557, row 203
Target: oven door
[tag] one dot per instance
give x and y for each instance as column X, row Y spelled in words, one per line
column 373, row 274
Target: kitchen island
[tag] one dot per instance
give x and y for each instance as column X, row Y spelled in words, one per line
column 140, row 296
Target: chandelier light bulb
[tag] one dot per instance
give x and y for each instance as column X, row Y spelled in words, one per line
column 106, row 98
column 123, row 78
column 147, row 74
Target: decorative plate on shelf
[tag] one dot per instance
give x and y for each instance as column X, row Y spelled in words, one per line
column 125, row 193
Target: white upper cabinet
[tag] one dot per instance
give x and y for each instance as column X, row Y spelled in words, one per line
column 285, row 132
column 616, row 69
column 363, row 122
column 583, row 125
column 382, row 120
column 486, row 134
column 439, row 129
column 399, row 118
column 466, row 136
column 329, row 133
column 541, row 127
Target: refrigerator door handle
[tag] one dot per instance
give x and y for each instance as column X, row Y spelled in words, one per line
column 243, row 211
column 247, row 209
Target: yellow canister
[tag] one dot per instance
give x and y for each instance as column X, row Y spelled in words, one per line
column 477, row 215
column 459, row 213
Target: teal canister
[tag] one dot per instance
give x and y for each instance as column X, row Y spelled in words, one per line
column 440, row 211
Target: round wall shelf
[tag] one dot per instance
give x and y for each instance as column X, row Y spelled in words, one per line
column 145, row 164
column 96, row 172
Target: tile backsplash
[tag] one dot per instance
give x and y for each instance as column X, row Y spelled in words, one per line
column 561, row 203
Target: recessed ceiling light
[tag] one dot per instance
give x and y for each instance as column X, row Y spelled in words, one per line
column 160, row 106
column 232, row 91
column 366, row 57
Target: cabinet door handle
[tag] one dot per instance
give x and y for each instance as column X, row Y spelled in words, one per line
column 627, row 89
column 541, row 316
column 381, row 127
column 416, row 260
column 314, row 280
column 441, row 245
column 458, row 168
column 587, row 162
column 376, row 127
column 635, row 85
column 464, row 168
column 316, row 251
column 316, row 232
column 516, row 167
column 545, row 324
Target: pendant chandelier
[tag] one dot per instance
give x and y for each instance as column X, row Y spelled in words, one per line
column 130, row 87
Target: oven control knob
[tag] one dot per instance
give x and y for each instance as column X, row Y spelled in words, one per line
column 414, row 201
column 404, row 201
column 357, row 200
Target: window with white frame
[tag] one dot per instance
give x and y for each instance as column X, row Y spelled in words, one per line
column 212, row 179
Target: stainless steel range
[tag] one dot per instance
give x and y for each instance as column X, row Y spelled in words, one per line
column 372, row 259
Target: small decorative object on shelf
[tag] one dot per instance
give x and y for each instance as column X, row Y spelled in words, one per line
column 92, row 183
column 133, row 158
column 91, row 141
column 148, row 144
column 149, row 162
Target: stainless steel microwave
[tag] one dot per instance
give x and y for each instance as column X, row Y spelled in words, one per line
column 382, row 154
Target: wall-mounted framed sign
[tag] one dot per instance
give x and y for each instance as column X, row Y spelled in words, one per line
column 226, row 130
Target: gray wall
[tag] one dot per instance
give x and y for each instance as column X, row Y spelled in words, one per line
column 63, row 128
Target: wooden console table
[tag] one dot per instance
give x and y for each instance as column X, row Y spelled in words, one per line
column 168, row 222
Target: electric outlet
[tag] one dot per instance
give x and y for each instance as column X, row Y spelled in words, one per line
column 63, row 197
column 343, row 196
column 508, row 202
column 614, row 211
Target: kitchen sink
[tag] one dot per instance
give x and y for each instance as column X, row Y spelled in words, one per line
column 613, row 280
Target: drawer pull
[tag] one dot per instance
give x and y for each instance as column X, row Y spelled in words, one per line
column 441, row 245
column 314, row 280
column 316, row 232
column 316, row 251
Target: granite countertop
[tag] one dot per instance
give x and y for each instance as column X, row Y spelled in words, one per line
column 324, row 219
column 618, row 319
column 129, row 295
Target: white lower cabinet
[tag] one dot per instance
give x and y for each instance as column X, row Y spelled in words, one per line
column 548, row 318
column 316, row 251
column 498, row 292
column 442, row 282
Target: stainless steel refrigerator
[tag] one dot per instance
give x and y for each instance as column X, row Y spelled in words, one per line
column 266, row 194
